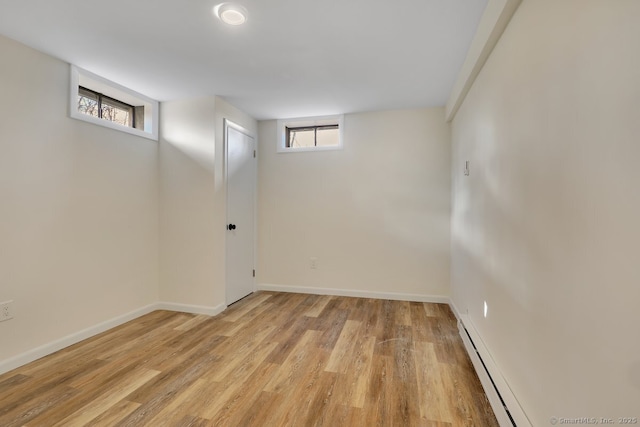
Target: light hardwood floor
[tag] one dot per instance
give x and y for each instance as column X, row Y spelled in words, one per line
column 272, row 359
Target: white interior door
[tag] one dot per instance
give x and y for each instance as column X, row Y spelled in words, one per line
column 241, row 185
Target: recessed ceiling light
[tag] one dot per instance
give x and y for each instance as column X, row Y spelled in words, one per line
column 230, row 13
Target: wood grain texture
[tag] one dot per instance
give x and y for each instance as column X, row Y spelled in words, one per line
column 272, row 359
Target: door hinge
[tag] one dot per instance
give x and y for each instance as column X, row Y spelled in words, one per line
column 254, row 154
column 254, row 273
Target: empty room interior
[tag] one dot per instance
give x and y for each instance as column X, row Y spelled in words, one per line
column 342, row 212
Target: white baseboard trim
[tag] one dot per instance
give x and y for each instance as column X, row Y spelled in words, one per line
column 503, row 402
column 353, row 293
column 49, row 348
column 46, row 349
column 193, row 309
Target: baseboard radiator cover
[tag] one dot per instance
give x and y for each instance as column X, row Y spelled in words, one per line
column 503, row 402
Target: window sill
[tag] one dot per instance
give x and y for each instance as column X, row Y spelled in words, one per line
column 111, row 125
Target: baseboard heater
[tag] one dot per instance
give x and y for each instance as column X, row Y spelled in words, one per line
column 503, row 402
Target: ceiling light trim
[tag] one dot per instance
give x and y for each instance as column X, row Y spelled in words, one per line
column 231, row 13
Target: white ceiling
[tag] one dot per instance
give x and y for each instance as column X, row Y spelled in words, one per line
column 293, row 58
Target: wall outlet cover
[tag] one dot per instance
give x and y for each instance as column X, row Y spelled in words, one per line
column 6, row 311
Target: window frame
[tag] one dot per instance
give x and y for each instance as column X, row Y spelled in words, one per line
column 309, row 122
column 117, row 93
column 101, row 98
column 288, row 129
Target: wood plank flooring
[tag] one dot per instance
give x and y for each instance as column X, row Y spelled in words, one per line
column 272, row 359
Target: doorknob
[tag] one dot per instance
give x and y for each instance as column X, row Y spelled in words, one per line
column 231, row 227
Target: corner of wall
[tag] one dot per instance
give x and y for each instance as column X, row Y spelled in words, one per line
column 494, row 20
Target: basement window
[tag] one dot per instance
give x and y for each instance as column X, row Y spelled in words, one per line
column 310, row 134
column 99, row 101
column 98, row 105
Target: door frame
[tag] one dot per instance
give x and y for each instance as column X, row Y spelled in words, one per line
column 226, row 124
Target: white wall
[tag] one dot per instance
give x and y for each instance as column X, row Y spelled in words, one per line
column 545, row 228
column 376, row 214
column 95, row 223
column 78, row 209
column 187, row 183
column 193, row 209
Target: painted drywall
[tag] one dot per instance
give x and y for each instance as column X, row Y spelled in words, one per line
column 494, row 20
column 376, row 214
column 187, row 187
column 192, row 202
column 78, row 209
column 545, row 227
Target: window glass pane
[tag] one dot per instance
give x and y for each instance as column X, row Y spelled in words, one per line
column 328, row 137
column 117, row 112
column 88, row 103
column 309, row 134
column 301, row 138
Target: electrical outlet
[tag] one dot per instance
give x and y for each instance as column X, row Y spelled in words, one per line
column 6, row 311
column 313, row 263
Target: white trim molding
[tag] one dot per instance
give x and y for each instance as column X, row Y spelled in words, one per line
column 50, row 348
column 439, row 299
column 494, row 20
column 193, row 309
